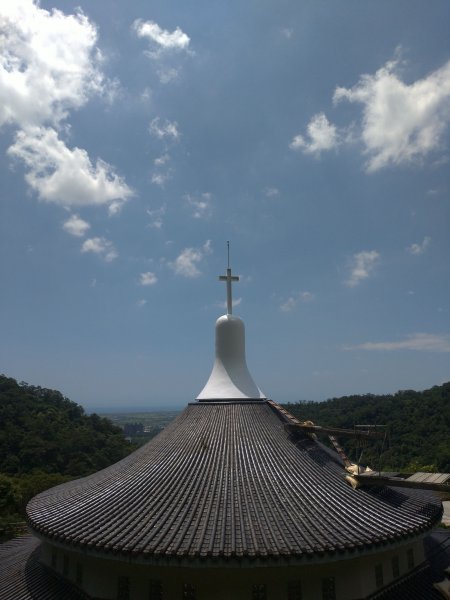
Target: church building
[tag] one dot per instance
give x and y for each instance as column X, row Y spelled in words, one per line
column 232, row 501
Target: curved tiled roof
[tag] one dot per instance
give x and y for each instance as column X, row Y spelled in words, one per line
column 24, row 577
column 224, row 480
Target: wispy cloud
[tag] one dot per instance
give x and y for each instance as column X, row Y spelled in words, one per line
column 271, row 192
column 419, row 248
column 101, row 247
column 291, row 302
column 161, row 179
column 421, row 342
column 160, row 161
column 200, row 205
column 321, row 135
column 147, row 278
column 223, row 305
column 76, row 226
column 156, row 217
column 287, row 32
column 188, row 261
column 362, row 266
column 164, row 129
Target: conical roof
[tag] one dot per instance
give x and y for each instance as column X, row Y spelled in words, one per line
column 225, row 480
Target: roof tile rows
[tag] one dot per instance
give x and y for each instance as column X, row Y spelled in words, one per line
column 23, row 577
column 226, row 480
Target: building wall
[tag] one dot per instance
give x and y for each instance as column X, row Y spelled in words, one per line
column 350, row 579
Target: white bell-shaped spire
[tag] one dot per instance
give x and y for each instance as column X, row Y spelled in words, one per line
column 230, row 378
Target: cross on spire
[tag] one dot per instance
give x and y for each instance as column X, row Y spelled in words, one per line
column 229, row 278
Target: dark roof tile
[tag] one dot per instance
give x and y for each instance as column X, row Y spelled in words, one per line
column 223, row 480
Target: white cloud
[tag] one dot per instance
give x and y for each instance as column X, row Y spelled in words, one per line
column 200, row 205
column 164, row 129
column 66, row 177
column 162, row 39
column 419, row 248
column 148, row 278
column 76, row 226
column 422, row 342
column 163, row 45
column 156, row 217
column 186, row 264
column 161, row 160
column 401, row 122
column 101, row 247
column 361, row 267
column 161, row 178
column 48, row 63
column 146, row 95
column 287, row 32
column 289, row 304
column 322, row 135
column 271, row 192
column 168, row 74
column 236, row 302
column 141, row 303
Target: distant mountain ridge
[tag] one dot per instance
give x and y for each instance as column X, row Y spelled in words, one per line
column 418, row 425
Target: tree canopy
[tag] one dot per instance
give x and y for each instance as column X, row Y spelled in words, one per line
column 46, row 439
column 418, row 426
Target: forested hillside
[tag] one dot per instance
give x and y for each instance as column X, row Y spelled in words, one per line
column 46, row 439
column 418, row 425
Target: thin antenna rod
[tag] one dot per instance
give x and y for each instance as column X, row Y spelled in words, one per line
column 228, row 249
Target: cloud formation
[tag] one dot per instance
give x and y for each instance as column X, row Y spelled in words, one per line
column 162, row 39
column 271, row 192
column 419, row 248
column 400, row 122
column 50, row 65
column 361, row 267
column 160, row 179
column 47, row 64
column 64, row 176
column 148, row 278
column 289, row 304
column 164, row 129
column 76, row 226
column 156, row 217
column 200, row 205
column 100, row 246
column 422, row 342
column 163, row 45
column 186, row 264
column 321, row 135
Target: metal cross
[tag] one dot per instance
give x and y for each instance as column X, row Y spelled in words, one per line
column 229, row 278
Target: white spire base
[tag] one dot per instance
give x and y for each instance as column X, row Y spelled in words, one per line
column 230, row 378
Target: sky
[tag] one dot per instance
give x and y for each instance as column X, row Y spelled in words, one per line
column 137, row 138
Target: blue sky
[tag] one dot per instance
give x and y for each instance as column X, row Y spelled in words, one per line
column 138, row 137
